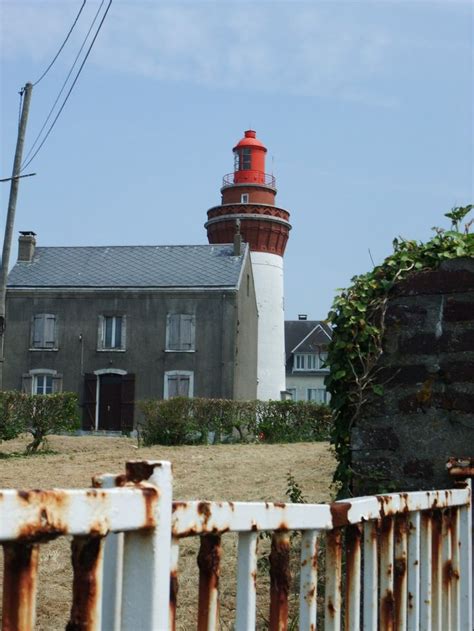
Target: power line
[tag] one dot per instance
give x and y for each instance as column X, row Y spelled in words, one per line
column 62, row 45
column 64, row 84
column 71, row 88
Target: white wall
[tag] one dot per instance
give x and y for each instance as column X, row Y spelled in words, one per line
column 302, row 382
column 268, row 276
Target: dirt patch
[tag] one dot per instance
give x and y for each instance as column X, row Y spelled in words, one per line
column 218, row 472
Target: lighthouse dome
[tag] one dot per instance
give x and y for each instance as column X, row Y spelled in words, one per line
column 250, row 140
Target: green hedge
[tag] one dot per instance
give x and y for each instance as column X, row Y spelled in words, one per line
column 37, row 414
column 181, row 421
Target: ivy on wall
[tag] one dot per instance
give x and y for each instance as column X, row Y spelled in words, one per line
column 357, row 317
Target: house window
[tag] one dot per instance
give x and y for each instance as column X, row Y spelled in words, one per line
column 244, row 198
column 323, row 357
column 180, row 332
column 292, row 392
column 318, row 395
column 43, row 384
column 309, row 361
column 42, row 381
column 178, row 384
column 111, row 334
column 44, row 330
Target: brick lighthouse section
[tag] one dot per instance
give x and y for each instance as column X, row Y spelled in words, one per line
column 249, row 194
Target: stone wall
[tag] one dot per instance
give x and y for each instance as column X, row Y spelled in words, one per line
column 403, row 438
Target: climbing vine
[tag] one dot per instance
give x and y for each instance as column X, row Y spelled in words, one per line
column 358, row 316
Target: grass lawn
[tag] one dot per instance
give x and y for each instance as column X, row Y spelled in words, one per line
column 218, row 472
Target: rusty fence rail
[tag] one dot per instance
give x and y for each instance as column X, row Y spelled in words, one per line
column 398, row 561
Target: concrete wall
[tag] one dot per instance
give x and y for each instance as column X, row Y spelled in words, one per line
column 246, row 337
column 404, row 438
column 268, row 274
column 213, row 361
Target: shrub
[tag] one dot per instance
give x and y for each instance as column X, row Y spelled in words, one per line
column 11, row 422
column 44, row 414
column 180, row 421
column 293, row 421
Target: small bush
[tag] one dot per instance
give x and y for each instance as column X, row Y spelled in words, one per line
column 45, row 414
column 11, row 421
column 181, row 421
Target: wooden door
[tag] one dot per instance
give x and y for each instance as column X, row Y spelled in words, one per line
column 88, row 402
column 110, row 402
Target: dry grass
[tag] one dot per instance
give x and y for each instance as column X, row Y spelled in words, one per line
column 220, row 472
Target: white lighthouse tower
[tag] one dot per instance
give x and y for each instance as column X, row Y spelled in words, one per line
column 248, row 194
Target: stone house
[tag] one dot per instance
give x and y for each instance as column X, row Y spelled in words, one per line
column 127, row 323
column 306, row 343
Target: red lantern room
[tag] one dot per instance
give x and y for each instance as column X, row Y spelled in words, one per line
column 249, row 159
column 248, row 194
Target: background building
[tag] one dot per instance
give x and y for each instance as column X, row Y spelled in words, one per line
column 248, row 198
column 127, row 323
column 306, row 343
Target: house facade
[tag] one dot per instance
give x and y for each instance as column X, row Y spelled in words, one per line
column 306, row 343
column 123, row 324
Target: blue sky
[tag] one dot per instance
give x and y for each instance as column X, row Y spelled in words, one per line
column 366, row 109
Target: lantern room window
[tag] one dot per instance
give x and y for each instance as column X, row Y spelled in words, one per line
column 245, row 159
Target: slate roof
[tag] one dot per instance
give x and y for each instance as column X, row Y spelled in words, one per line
column 130, row 266
column 297, row 330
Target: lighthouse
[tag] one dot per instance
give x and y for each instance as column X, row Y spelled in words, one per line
column 248, row 195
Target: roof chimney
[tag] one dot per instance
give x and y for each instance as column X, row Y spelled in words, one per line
column 237, row 239
column 26, row 246
column 302, row 316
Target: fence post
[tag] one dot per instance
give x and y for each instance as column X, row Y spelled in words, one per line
column 147, row 556
column 112, row 567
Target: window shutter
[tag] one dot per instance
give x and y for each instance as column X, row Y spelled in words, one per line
column 172, row 386
column 128, row 402
column 89, row 401
column 183, row 386
column 37, row 337
column 187, row 333
column 49, row 330
column 27, row 383
column 173, row 332
column 100, row 333
column 57, row 383
column 123, row 344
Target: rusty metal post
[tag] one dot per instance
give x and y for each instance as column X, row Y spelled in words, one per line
column 400, row 572
column 174, row 585
column 246, row 580
column 387, row 601
column 147, row 553
column 462, row 470
column 333, row 595
column 370, row 611
column 209, row 558
column 353, row 565
column 456, row 569
column 437, row 573
column 426, row 586
column 86, row 609
column 413, row 613
column 19, row 586
column 111, row 568
column 309, row 581
column 280, row 579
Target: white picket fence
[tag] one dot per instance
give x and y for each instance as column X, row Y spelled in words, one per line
column 398, row 561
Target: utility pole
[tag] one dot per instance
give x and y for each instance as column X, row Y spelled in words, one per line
column 7, row 242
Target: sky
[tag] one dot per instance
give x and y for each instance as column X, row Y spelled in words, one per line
column 366, row 109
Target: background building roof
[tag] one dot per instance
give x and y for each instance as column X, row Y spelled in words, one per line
column 130, row 266
column 296, row 331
